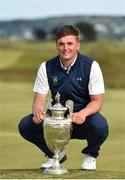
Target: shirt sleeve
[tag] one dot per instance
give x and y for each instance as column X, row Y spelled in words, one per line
column 96, row 83
column 41, row 83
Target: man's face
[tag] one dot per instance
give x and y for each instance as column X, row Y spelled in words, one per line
column 67, row 47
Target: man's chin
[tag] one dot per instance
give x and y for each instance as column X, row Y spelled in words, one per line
column 66, row 57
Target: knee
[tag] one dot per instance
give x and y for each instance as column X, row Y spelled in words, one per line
column 102, row 133
column 24, row 125
column 100, row 127
column 21, row 126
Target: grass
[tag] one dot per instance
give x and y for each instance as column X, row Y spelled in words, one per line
column 21, row 159
column 19, row 62
column 25, row 56
column 12, row 55
column 73, row 174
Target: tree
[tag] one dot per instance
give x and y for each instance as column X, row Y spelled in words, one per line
column 87, row 30
column 39, row 34
column 53, row 32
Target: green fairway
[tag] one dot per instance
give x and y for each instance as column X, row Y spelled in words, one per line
column 16, row 153
column 21, row 59
column 19, row 62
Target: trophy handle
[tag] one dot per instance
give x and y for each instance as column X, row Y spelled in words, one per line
column 70, row 105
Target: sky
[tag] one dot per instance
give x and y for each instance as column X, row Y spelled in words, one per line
column 33, row 9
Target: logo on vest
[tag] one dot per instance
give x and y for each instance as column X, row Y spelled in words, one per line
column 79, row 79
column 54, row 79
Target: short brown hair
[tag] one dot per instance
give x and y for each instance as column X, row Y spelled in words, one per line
column 67, row 30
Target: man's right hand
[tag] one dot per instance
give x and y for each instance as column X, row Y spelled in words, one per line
column 38, row 118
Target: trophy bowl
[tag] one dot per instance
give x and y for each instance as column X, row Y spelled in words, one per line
column 57, row 133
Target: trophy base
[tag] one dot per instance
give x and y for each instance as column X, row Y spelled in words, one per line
column 57, row 171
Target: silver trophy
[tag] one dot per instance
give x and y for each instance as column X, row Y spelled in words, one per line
column 57, row 132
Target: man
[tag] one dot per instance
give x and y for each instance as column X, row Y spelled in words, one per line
column 78, row 78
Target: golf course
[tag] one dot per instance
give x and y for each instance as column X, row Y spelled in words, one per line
column 19, row 62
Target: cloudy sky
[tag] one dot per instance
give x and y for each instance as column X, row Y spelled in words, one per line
column 31, row 9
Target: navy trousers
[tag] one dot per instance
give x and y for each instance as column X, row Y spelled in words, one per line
column 94, row 130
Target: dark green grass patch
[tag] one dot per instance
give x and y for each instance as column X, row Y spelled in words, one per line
column 73, row 174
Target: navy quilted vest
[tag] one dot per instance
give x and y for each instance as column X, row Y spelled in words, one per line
column 73, row 85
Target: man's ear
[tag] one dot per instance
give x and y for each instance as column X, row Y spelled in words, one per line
column 78, row 46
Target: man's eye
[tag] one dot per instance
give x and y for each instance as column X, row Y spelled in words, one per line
column 70, row 43
column 60, row 44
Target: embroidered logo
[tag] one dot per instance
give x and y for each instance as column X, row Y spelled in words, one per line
column 54, row 79
column 79, row 79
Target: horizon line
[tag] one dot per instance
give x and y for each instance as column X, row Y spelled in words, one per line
column 58, row 16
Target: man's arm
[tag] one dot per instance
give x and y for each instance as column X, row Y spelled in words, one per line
column 38, row 107
column 93, row 107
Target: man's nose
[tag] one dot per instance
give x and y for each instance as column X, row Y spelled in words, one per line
column 66, row 47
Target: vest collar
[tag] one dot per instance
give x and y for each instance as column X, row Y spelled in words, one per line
column 68, row 69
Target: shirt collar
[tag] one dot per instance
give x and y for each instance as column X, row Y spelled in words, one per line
column 68, row 69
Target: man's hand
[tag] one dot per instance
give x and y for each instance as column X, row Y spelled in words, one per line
column 38, row 118
column 78, row 117
column 92, row 107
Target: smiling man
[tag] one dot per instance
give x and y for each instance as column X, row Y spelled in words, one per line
column 78, row 78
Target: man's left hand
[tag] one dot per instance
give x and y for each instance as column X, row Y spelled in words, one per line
column 78, row 117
